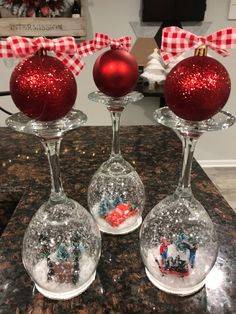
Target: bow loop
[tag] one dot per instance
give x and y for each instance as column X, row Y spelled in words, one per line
column 103, row 41
column 65, row 49
column 176, row 41
column 22, row 46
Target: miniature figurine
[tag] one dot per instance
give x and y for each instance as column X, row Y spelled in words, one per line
column 115, row 211
column 169, row 264
column 164, row 251
column 121, row 213
column 192, row 253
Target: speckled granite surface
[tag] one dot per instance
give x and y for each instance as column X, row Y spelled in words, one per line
column 121, row 285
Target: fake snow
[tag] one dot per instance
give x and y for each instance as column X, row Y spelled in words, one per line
column 128, row 225
column 40, row 271
column 196, row 274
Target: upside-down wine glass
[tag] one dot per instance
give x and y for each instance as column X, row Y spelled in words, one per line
column 62, row 243
column 116, row 193
column 178, row 241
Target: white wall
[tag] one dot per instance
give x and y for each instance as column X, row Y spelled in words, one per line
column 220, row 147
column 113, row 17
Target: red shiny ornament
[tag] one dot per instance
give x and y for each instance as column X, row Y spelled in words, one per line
column 115, row 72
column 197, row 88
column 43, row 88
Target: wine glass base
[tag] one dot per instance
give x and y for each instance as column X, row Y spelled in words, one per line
column 66, row 295
column 181, row 292
column 221, row 121
column 112, row 230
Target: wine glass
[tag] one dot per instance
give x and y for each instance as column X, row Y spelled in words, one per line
column 178, row 241
column 62, row 243
column 116, row 193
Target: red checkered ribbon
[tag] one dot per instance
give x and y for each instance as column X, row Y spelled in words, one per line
column 101, row 41
column 65, row 49
column 175, row 41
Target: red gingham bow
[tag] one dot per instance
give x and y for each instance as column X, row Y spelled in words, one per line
column 65, row 49
column 175, row 41
column 101, row 41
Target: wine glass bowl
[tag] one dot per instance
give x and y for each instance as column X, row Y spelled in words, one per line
column 116, row 196
column 61, row 249
column 181, row 227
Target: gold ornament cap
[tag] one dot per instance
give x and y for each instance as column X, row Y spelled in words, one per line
column 201, row 51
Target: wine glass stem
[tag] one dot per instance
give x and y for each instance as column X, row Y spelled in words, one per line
column 52, row 148
column 115, row 118
column 184, row 185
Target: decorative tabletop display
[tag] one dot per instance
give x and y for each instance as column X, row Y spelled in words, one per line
column 37, row 8
column 156, row 70
column 116, row 192
column 62, row 243
column 178, row 241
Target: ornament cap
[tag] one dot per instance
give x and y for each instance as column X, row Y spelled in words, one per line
column 41, row 52
column 114, row 47
column 201, row 51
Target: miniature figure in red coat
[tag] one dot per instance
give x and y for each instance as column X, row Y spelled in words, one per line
column 164, row 251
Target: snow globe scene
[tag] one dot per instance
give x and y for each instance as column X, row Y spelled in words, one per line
column 116, row 197
column 178, row 245
column 61, row 249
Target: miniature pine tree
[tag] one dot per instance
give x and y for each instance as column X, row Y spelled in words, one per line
column 76, row 244
column 154, row 71
column 104, row 207
column 133, row 207
column 62, row 253
column 182, row 242
column 117, row 200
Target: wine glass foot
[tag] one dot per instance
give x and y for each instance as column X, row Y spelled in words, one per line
column 177, row 291
column 69, row 294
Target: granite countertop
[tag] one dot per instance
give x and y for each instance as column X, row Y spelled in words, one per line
column 121, row 285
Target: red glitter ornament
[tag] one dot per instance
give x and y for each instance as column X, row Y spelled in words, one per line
column 197, row 88
column 115, row 72
column 43, row 88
